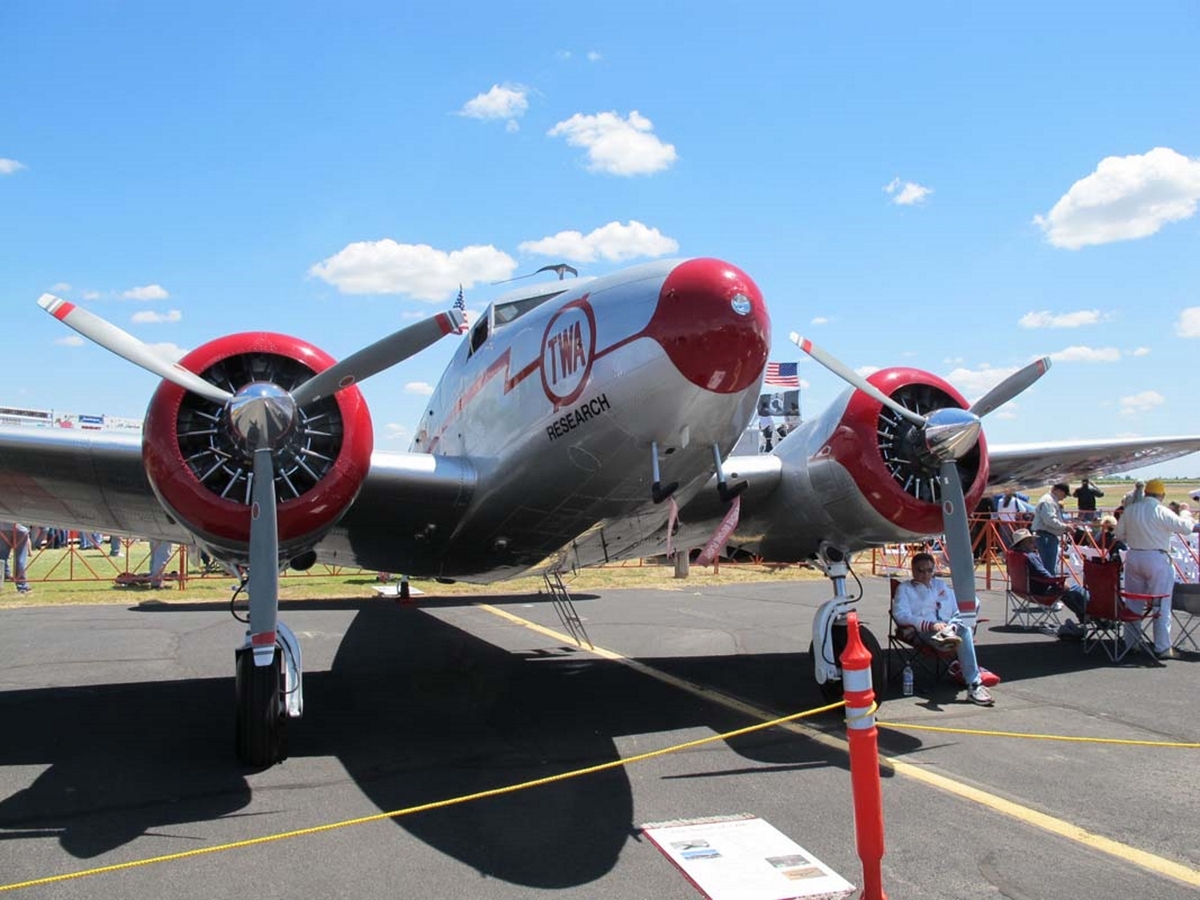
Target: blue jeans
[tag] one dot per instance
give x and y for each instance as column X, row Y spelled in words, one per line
column 1047, row 545
column 15, row 539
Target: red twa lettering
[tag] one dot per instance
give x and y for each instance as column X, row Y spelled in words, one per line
column 571, row 355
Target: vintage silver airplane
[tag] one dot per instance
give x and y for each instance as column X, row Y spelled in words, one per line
column 578, row 422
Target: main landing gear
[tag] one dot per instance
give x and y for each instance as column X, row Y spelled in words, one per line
column 269, row 691
column 829, row 631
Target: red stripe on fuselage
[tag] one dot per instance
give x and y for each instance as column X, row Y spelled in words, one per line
column 501, row 364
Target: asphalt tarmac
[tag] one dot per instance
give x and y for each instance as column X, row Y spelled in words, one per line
column 117, row 747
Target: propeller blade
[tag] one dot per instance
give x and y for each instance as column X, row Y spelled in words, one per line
column 382, row 354
column 1010, row 387
column 264, row 559
column 851, row 377
column 125, row 345
column 957, row 534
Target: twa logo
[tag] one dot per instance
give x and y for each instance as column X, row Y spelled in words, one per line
column 568, row 346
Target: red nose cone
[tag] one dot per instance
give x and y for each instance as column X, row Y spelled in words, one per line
column 713, row 324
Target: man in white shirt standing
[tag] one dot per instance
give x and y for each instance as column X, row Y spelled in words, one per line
column 1147, row 526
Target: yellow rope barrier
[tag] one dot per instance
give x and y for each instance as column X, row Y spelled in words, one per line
column 424, row 807
column 1039, row 737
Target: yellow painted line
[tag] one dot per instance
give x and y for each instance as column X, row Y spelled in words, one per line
column 1151, row 862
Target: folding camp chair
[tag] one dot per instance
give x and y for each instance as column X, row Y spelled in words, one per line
column 1108, row 612
column 1185, row 607
column 1024, row 608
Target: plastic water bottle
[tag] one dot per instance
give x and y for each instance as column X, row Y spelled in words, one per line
column 908, row 681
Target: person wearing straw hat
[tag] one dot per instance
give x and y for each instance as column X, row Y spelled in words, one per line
column 1147, row 527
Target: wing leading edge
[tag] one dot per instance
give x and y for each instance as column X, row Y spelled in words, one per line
column 1030, row 465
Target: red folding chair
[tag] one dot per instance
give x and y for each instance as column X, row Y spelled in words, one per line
column 1024, row 608
column 1108, row 612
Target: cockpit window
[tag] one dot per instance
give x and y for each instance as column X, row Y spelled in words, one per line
column 502, row 314
column 510, row 312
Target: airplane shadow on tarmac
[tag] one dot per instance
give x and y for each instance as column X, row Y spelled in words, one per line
column 417, row 711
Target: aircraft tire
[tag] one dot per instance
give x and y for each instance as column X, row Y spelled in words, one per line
column 831, row 691
column 261, row 722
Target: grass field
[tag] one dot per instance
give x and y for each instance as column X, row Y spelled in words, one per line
column 84, row 577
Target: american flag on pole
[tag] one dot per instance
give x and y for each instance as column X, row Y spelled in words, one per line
column 782, row 375
column 461, row 306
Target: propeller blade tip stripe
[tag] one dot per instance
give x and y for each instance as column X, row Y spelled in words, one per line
column 447, row 323
column 56, row 306
column 263, row 639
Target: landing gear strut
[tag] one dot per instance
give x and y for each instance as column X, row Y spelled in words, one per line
column 829, row 631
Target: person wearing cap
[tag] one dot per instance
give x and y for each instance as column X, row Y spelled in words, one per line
column 927, row 605
column 1041, row 582
column 1048, row 525
column 1147, row 527
column 1085, row 496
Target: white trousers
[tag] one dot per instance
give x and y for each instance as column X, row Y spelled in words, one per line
column 1150, row 572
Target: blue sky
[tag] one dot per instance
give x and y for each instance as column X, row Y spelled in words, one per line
column 958, row 187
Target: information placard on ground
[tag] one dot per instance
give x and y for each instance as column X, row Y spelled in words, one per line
column 743, row 857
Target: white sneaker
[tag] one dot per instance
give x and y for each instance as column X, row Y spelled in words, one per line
column 980, row 695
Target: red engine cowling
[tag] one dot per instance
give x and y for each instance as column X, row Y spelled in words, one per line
column 882, row 453
column 202, row 475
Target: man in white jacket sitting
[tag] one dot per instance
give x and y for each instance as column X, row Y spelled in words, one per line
column 927, row 605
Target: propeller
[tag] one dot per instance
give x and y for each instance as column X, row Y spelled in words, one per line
column 125, row 345
column 945, row 436
column 383, row 354
column 261, row 416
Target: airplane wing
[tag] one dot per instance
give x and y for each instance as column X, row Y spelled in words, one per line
column 1046, row 462
column 91, row 480
column 96, row 480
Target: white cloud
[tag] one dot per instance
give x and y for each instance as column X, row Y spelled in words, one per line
column 169, row 351
column 867, row 371
column 60, row 287
column 613, row 241
column 150, row 316
column 1188, row 325
column 420, row 388
column 594, row 56
column 909, row 192
column 1142, row 402
column 974, row 383
column 10, row 166
column 394, row 432
column 1046, row 319
column 1140, row 351
column 71, row 340
column 91, row 295
column 1127, row 197
column 562, row 55
column 819, row 320
column 617, row 146
column 146, row 292
column 509, row 102
column 1087, row 354
column 422, row 272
